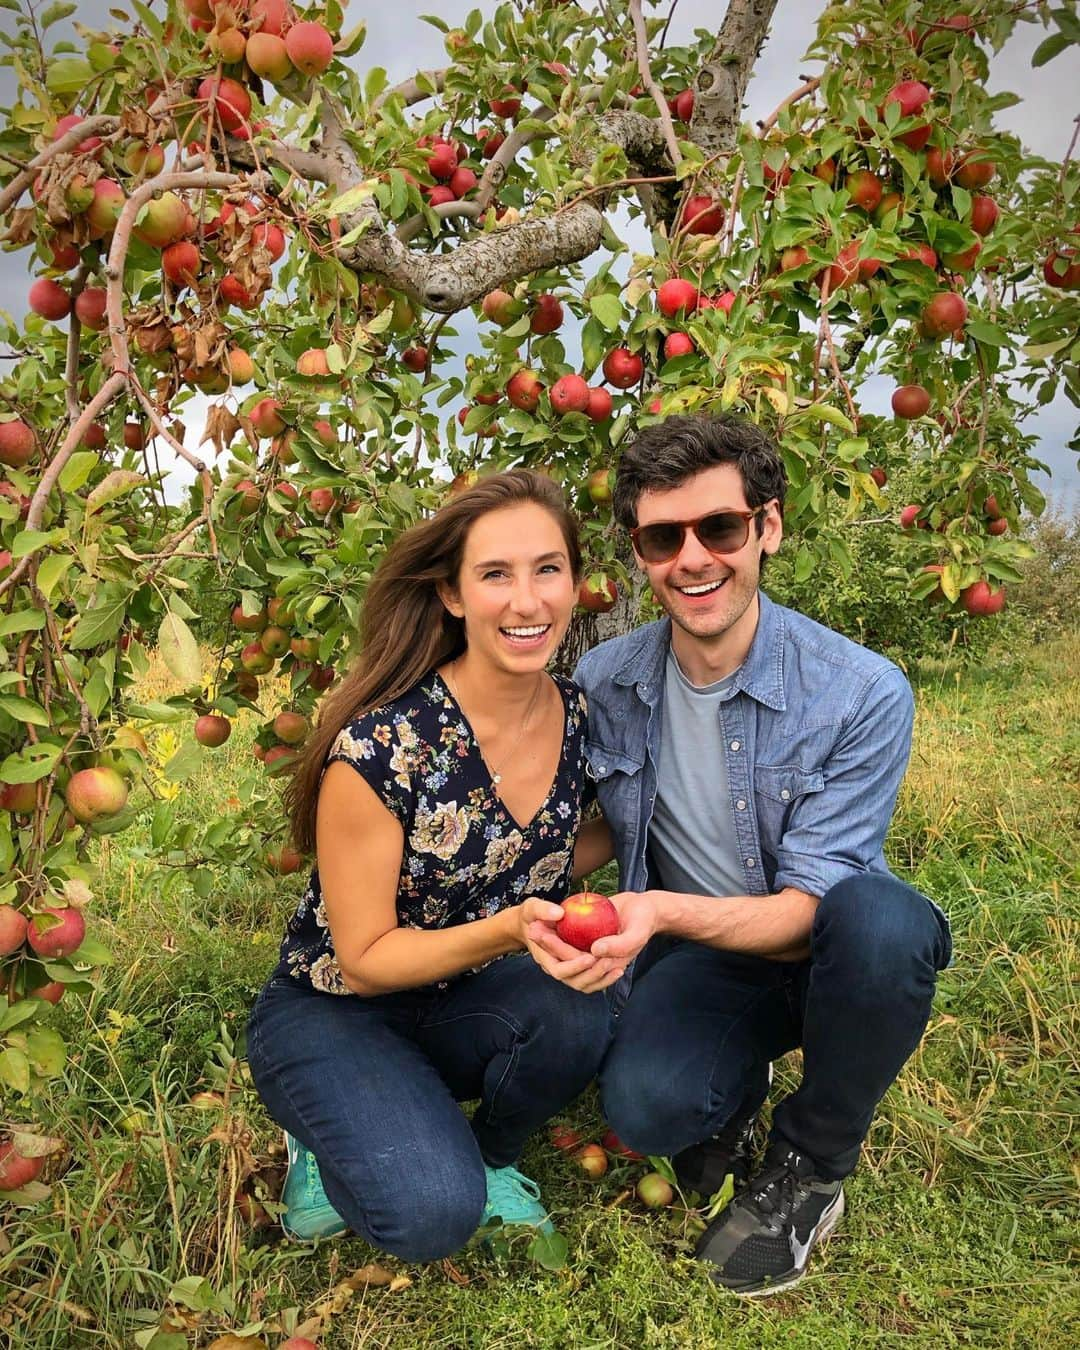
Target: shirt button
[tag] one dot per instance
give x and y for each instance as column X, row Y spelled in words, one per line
column 785, row 795
column 750, row 863
column 735, row 745
column 740, row 805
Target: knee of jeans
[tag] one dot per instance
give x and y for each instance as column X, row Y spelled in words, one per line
column 418, row 1223
column 647, row 1110
column 879, row 925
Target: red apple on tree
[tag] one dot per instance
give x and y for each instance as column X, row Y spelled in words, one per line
column 676, row 297
column 59, row 938
column 547, row 315
column 623, row 368
column 600, row 405
column 910, row 401
column 211, row 729
column 569, row 393
column 523, row 389
column 13, row 925
column 980, row 600
column 598, row 593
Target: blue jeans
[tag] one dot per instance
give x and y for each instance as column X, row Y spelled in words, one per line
column 371, row 1086
column 694, row 1042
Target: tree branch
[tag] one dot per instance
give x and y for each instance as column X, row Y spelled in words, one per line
column 722, row 79
column 67, row 143
column 641, row 43
column 410, row 91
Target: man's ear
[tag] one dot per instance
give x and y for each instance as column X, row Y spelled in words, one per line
column 772, row 528
column 451, row 599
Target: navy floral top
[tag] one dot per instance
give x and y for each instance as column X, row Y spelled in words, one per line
column 465, row 856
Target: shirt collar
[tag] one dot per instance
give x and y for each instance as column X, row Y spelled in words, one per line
column 761, row 675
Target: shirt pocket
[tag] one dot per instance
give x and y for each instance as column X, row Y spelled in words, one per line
column 613, row 774
column 777, row 790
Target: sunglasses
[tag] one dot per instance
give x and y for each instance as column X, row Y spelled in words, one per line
column 720, row 532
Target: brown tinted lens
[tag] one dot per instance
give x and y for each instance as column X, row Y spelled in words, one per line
column 657, row 543
column 724, row 532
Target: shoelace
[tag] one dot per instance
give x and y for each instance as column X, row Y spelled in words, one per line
column 507, row 1183
column 775, row 1195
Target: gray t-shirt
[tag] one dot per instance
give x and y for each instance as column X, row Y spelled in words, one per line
column 692, row 843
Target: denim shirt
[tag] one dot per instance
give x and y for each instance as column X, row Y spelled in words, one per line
column 816, row 731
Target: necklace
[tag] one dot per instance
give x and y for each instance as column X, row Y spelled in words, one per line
column 496, row 774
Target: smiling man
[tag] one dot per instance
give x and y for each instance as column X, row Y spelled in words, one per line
column 747, row 761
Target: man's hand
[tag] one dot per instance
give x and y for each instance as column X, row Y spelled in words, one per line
column 639, row 919
column 580, row 970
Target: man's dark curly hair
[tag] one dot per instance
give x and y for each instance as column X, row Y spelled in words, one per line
column 668, row 453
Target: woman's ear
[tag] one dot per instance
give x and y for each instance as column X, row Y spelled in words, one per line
column 451, row 599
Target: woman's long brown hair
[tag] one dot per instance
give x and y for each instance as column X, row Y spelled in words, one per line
column 405, row 630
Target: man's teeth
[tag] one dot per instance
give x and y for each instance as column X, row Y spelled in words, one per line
column 703, row 589
column 527, row 632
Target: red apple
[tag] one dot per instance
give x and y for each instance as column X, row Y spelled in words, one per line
column 462, row 181
column 599, row 409
column 15, row 1170
column 622, row 367
column 676, row 297
column 940, row 165
column 17, row 443
column 613, row 1144
column 865, row 189
column 984, row 214
column 677, row 344
column 547, row 315
column 909, row 517
column 13, row 924
column 979, row 600
column 49, row 299
column 564, row 1137
column 291, row 727
column 910, row 400
column 211, row 729
column 569, row 393
column 61, row 938
column 597, row 593
column 93, row 794
column 499, row 307
column 587, row 916
column 702, row 215
column 523, row 389
column 946, row 312
column 598, row 486
column 310, row 47
column 231, row 100
column 181, row 262
column 975, row 170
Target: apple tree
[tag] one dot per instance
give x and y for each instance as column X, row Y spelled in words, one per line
column 233, row 229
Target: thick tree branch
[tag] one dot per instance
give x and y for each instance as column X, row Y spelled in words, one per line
column 411, row 91
column 66, row 144
column 722, row 79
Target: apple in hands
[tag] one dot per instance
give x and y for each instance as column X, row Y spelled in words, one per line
column 587, row 917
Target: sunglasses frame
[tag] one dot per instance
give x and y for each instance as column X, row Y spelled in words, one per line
column 745, row 516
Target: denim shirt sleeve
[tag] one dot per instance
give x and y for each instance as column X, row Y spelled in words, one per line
column 839, row 832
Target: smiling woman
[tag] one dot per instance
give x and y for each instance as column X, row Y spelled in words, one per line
column 443, row 795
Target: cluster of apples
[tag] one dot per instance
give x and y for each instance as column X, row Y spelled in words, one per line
column 50, row 933
column 653, row 1190
column 271, row 639
column 266, row 36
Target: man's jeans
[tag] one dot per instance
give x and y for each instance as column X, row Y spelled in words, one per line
column 371, row 1086
column 696, row 1037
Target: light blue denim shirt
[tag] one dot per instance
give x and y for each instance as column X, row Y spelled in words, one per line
column 816, row 730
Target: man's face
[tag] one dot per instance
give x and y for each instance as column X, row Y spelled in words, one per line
column 707, row 594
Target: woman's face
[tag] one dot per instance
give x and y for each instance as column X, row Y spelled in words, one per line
column 515, row 590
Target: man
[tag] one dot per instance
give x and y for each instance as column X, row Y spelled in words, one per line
column 747, row 761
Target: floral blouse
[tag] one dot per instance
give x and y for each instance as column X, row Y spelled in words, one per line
column 465, row 856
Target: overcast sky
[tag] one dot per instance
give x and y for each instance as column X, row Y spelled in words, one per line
column 401, row 43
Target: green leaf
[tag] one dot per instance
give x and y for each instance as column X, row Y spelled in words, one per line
column 47, row 1051
column 30, row 763
column 179, row 650
column 99, row 625
column 68, row 76
column 15, row 1070
column 24, row 710
column 375, row 83
column 151, row 22
column 117, row 483
column 988, row 333
column 77, row 470
column 31, row 541
column 549, row 1250
column 55, row 13
column 51, row 570
column 350, row 43
column 609, row 310
column 16, row 1013
column 1050, row 47
column 28, row 620
column 824, row 412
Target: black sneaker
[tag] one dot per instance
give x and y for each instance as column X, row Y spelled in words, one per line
column 761, row 1243
column 723, row 1160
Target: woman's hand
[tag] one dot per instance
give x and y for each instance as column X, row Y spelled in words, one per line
column 580, row 970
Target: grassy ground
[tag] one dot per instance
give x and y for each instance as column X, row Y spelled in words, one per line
column 961, row 1221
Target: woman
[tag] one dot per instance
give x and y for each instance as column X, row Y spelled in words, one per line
column 441, row 796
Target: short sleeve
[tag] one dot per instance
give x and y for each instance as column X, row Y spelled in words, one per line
column 382, row 748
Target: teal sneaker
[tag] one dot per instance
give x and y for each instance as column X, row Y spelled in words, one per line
column 308, row 1213
column 515, row 1199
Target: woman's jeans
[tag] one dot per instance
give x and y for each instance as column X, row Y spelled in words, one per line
column 371, row 1086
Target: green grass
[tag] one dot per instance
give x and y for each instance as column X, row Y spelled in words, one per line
column 961, row 1223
